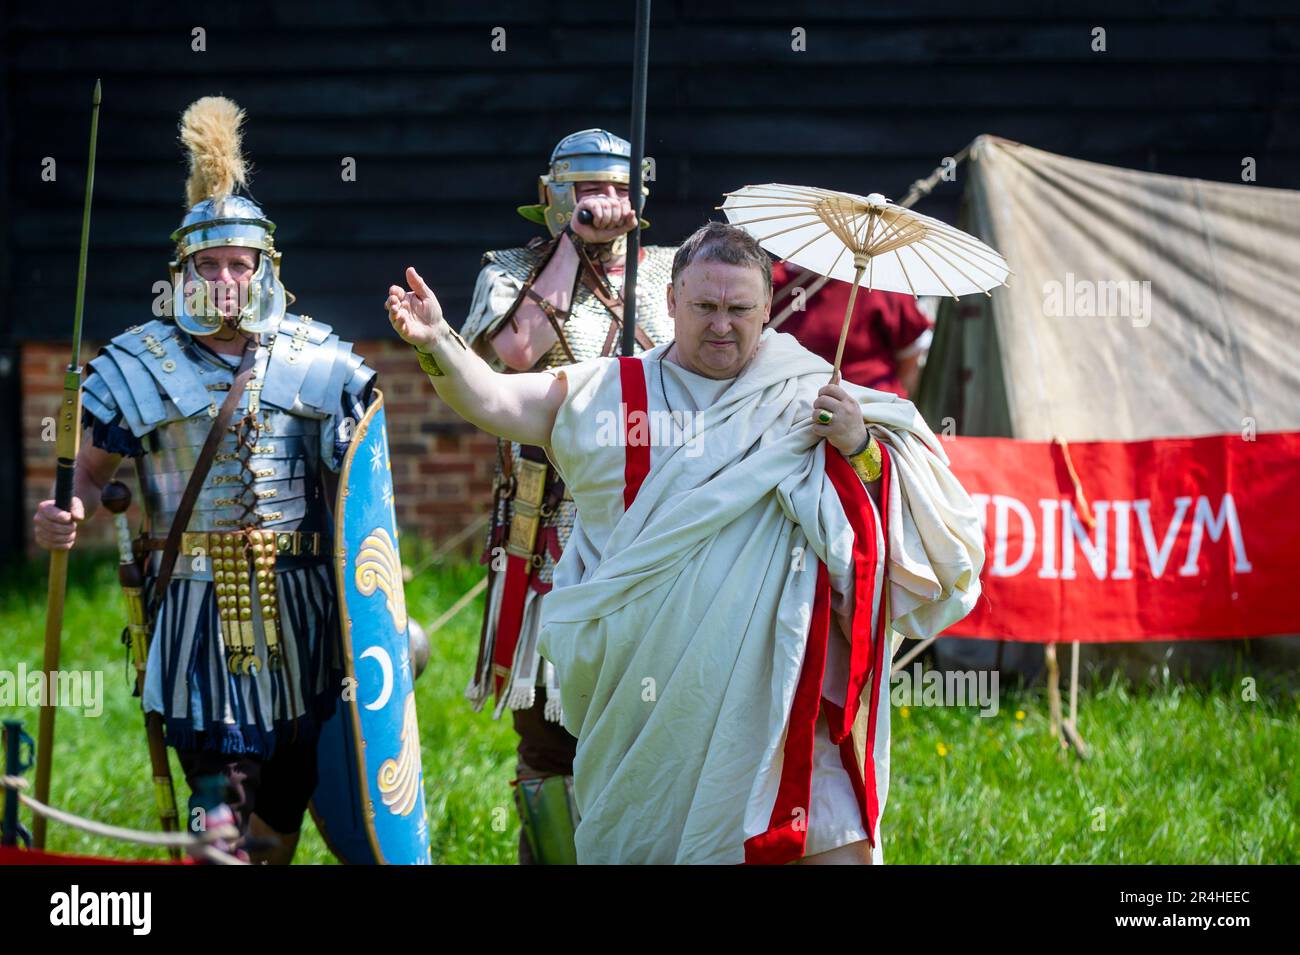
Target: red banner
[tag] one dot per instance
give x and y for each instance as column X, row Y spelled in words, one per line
column 1189, row 538
column 11, row 855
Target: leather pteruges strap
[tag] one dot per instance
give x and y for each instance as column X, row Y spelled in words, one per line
column 530, row 452
column 607, row 349
column 507, row 465
column 201, row 466
column 553, row 315
column 614, row 305
column 548, row 249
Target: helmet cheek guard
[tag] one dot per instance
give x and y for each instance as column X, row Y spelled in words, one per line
column 198, row 309
column 591, row 155
column 558, row 203
column 232, row 222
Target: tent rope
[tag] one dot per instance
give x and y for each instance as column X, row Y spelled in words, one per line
column 923, row 187
column 1080, row 501
column 185, row 840
column 457, row 607
column 452, row 543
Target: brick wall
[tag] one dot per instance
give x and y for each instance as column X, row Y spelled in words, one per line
column 442, row 467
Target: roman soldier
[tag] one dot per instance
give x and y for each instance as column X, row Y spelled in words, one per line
column 237, row 415
column 550, row 303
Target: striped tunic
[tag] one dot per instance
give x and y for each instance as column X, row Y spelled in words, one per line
column 203, row 704
column 187, row 681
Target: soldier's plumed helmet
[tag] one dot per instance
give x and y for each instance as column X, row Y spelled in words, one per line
column 216, row 217
column 590, row 155
column 229, row 220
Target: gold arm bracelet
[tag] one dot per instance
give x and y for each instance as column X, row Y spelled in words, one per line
column 867, row 462
column 429, row 364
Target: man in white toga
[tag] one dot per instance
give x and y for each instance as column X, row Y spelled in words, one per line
column 720, row 620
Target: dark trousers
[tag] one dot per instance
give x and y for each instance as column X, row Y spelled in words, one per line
column 277, row 789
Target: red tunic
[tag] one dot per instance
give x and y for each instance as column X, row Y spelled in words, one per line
column 884, row 324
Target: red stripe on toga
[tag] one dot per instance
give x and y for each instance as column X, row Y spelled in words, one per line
column 866, row 648
column 786, row 836
column 631, row 373
column 787, row 830
column 862, row 518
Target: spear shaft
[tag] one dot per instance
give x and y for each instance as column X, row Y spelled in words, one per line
column 640, row 66
column 67, row 443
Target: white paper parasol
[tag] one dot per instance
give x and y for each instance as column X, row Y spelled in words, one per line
column 864, row 240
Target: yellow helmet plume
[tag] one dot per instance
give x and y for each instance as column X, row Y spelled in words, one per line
column 210, row 131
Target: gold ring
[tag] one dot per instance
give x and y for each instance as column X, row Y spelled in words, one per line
column 825, row 416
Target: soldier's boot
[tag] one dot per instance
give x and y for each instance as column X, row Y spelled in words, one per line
column 548, row 818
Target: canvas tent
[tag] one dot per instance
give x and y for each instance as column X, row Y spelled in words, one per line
column 1141, row 306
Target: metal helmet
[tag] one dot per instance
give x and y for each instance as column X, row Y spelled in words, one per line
column 218, row 217
column 586, row 156
column 234, row 221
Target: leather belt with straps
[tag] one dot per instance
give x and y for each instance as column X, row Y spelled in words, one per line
column 535, row 492
column 286, row 542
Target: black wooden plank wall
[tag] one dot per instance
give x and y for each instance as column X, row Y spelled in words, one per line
column 448, row 135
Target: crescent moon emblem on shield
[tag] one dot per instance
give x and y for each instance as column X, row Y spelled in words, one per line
column 380, row 655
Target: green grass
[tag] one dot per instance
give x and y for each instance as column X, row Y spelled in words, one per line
column 101, row 767
column 1179, row 773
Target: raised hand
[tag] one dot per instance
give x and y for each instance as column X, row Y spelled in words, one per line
column 611, row 216
column 415, row 314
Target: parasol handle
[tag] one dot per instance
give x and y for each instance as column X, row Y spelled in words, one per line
column 844, row 332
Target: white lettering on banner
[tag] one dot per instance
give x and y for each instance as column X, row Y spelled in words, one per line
column 1157, row 559
column 1204, row 520
column 1048, row 570
column 1072, row 530
column 1122, row 570
column 1002, row 508
column 1107, row 538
